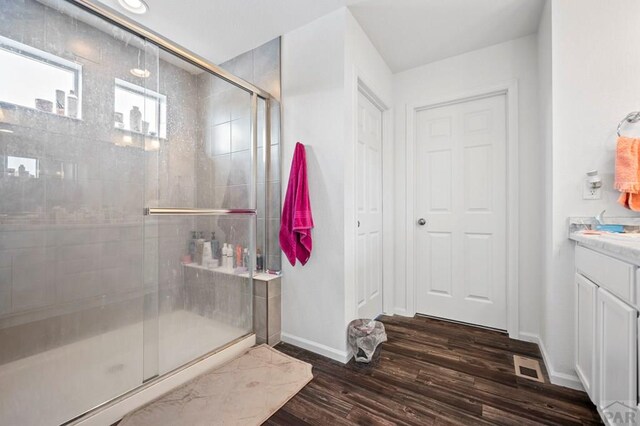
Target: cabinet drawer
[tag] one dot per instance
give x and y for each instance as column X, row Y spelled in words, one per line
column 616, row 276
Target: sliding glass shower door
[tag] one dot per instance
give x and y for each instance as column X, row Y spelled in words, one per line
column 124, row 170
column 200, row 199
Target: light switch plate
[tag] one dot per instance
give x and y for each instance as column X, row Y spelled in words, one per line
column 589, row 193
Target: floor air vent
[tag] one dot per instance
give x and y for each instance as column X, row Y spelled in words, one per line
column 528, row 368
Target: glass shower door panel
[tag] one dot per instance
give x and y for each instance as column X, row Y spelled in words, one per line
column 205, row 162
column 224, row 152
column 71, row 225
column 202, row 305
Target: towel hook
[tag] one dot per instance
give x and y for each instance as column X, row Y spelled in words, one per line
column 632, row 117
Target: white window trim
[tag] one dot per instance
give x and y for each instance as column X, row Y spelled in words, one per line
column 30, row 52
column 147, row 93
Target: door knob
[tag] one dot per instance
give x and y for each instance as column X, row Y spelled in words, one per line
column 358, row 224
column 422, row 221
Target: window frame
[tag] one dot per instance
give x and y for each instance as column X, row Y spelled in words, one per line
column 6, row 165
column 161, row 100
column 29, row 52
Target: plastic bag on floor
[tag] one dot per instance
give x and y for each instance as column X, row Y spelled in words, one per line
column 364, row 336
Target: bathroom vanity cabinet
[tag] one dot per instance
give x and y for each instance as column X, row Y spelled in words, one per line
column 606, row 330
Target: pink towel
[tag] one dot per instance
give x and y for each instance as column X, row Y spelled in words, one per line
column 628, row 172
column 296, row 222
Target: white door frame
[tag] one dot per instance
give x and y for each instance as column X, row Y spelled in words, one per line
column 380, row 106
column 510, row 90
column 360, row 85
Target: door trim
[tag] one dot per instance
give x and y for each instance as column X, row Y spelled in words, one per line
column 510, row 90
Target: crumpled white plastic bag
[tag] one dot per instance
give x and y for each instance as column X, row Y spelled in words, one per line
column 364, row 336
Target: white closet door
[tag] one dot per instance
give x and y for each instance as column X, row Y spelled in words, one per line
column 460, row 221
column 369, row 209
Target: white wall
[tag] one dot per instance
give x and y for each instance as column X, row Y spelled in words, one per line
column 595, row 84
column 313, row 113
column 576, row 80
column 502, row 63
column 321, row 63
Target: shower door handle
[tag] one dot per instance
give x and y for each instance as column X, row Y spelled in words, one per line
column 170, row 211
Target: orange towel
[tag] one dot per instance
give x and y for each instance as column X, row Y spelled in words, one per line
column 628, row 172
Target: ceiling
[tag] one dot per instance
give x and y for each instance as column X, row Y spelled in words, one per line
column 219, row 30
column 409, row 33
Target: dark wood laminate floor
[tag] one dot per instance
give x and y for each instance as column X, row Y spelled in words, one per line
column 433, row 372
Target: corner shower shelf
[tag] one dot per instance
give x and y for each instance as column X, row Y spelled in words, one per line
column 256, row 276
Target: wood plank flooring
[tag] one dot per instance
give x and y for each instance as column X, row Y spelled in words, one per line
column 432, row 372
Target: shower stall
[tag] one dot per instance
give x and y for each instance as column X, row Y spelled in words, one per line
column 126, row 165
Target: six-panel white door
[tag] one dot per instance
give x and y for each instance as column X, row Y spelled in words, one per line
column 461, row 183
column 369, row 209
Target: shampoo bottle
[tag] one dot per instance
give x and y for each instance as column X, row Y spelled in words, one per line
column 230, row 257
column 135, row 120
column 259, row 260
column 245, row 258
column 60, row 102
column 215, row 246
column 225, row 256
column 72, row 104
column 192, row 244
column 207, row 258
column 238, row 256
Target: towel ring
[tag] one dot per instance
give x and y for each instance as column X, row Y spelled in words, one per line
column 632, row 117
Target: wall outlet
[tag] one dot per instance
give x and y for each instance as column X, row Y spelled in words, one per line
column 590, row 193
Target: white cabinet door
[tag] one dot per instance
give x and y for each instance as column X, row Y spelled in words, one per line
column 585, row 338
column 617, row 364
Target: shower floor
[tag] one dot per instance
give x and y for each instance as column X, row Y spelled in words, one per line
column 57, row 385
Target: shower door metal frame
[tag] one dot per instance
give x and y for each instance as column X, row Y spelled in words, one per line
column 145, row 33
column 124, row 22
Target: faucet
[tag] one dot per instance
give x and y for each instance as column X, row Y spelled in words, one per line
column 600, row 218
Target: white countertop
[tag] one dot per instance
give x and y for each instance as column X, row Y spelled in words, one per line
column 615, row 245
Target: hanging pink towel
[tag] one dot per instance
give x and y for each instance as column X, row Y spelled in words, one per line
column 297, row 221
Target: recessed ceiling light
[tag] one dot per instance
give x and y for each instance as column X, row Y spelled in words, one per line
column 138, row 72
column 134, row 6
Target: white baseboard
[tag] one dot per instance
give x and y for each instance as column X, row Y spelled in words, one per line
column 318, row 348
column 557, row 378
column 116, row 411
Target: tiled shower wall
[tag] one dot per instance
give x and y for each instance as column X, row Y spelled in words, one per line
column 226, row 130
column 58, row 261
column 70, row 244
column 75, row 248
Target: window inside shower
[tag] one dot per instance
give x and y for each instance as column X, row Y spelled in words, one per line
column 111, row 237
column 128, row 97
column 30, row 76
